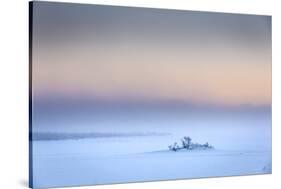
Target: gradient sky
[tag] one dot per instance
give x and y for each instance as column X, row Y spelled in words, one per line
column 108, row 54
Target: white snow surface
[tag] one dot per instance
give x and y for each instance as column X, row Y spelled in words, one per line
column 241, row 148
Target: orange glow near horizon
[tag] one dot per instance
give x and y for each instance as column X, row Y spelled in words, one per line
column 214, row 81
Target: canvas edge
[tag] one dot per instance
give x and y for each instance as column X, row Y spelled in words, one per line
column 30, row 149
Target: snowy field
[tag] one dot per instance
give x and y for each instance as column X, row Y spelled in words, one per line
column 240, row 149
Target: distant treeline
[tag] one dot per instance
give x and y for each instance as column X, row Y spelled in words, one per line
column 64, row 136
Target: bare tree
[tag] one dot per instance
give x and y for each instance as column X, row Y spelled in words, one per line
column 175, row 147
column 187, row 141
column 184, row 143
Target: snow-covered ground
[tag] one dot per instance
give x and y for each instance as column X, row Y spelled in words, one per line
column 242, row 147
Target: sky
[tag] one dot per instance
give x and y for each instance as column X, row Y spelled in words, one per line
column 106, row 56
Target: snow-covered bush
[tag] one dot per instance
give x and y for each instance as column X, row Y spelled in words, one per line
column 188, row 145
